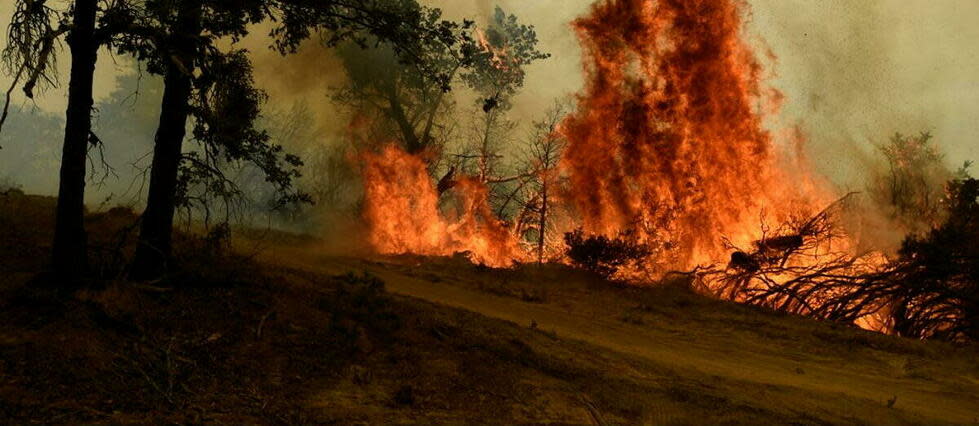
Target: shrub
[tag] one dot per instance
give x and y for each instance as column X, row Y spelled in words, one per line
column 361, row 305
column 603, row 255
column 938, row 273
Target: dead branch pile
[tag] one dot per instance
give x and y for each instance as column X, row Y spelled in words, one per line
column 802, row 268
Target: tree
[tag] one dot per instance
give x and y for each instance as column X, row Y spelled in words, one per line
column 157, row 221
column 543, row 155
column 909, row 188
column 937, row 274
column 70, row 255
column 406, row 98
column 400, row 100
column 501, row 53
column 214, row 87
column 30, row 54
column 178, row 40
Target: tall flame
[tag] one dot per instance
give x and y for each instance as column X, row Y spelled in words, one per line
column 667, row 142
column 668, row 135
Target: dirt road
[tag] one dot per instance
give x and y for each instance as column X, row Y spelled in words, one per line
column 846, row 385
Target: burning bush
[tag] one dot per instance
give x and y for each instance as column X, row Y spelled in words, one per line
column 797, row 267
column 603, row 255
column 931, row 290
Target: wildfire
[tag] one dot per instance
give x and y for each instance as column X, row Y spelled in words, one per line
column 401, row 209
column 495, row 50
column 667, row 160
column 667, row 142
column 668, row 136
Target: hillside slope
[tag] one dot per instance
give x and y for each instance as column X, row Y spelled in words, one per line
column 788, row 365
column 280, row 332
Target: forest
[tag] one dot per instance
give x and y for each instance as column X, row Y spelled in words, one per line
column 298, row 212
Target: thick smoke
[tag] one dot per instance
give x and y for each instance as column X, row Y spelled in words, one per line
column 854, row 73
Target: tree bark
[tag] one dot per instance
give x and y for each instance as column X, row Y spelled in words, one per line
column 413, row 145
column 542, row 226
column 154, row 249
column 69, row 251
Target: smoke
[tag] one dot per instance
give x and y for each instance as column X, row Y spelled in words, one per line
column 854, row 73
column 304, row 78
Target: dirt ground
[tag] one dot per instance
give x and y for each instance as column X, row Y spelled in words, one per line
column 780, row 363
column 282, row 332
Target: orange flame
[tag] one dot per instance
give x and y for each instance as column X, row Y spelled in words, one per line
column 401, row 209
column 498, row 54
column 667, row 140
column 668, row 135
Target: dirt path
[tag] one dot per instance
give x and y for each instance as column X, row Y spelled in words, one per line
column 712, row 357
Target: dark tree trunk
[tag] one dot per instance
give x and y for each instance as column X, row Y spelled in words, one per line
column 70, row 254
column 542, row 225
column 153, row 251
column 413, row 145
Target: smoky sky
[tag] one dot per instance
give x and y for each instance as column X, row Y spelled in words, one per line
column 853, row 71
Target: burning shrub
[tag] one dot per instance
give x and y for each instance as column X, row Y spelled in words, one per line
column 603, row 255
column 930, row 291
column 802, row 267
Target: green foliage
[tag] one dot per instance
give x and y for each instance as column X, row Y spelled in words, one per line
column 909, row 189
column 939, row 272
column 227, row 108
column 225, row 104
column 148, row 31
column 400, row 88
column 417, row 34
column 603, row 255
column 498, row 57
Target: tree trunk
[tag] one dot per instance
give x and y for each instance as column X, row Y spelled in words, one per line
column 70, row 254
column 413, row 145
column 542, row 226
column 153, row 251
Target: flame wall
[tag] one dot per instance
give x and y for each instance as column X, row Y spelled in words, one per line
column 668, row 134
